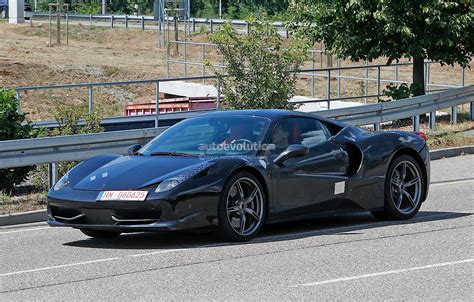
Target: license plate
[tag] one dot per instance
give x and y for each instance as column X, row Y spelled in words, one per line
column 122, row 195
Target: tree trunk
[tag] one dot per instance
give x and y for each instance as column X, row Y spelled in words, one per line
column 419, row 74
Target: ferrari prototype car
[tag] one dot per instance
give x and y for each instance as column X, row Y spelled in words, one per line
column 234, row 171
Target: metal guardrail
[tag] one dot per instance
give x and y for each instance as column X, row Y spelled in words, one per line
column 193, row 22
column 51, row 150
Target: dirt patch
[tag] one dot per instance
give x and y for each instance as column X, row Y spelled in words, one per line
column 98, row 54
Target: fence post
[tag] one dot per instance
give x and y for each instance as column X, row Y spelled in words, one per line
column 218, row 105
column 462, row 84
column 18, row 98
column 126, row 21
column 90, row 19
column 211, row 25
column 472, row 111
column 218, row 99
column 313, row 80
column 67, row 26
column 377, row 127
column 112, row 21
column 194, row 24
column 203, row 57
column 90, row 99
column 328, row 90
column 338, row 63
column 396, row 74
column 157, row 103
column 416, row 123
column 378, row 83
column 366, row 80
column 454, row 115
column 433, row 121
column 143, row 23
column 185, row 59
column 426, row 76
column 52, row 174
column 248, row 27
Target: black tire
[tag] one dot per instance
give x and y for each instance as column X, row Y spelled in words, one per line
column 227, row 230
column 406, row 206
column 99, row 233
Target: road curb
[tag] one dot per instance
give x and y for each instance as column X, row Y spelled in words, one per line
column 42, row 215
column 23, row 217
column 451, row 152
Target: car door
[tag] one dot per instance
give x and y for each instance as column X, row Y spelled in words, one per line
column 309, row 181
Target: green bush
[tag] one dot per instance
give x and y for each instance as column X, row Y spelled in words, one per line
column 12, row 126
column 68, row 118
column 403, row 91
column 259, row 70
column 88, row 8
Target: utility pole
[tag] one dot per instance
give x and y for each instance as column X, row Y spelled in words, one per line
column 104, row 7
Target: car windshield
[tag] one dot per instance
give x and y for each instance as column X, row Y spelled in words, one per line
column 210, row 135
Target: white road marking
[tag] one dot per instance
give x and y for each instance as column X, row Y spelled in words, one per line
column 454, row 182
column 87, row 262
column 399, row 271
column 58, row 266
column 25, row 230
column 155, row 253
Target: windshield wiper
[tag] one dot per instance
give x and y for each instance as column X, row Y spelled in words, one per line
column 173, row 154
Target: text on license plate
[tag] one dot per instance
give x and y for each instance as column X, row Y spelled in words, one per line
column 122, row 195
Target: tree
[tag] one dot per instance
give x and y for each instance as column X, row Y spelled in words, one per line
column 259, row 71
column 12, row 126
column 438, row 30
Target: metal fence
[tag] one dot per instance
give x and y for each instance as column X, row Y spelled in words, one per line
column 149, row 22
column 329, row 74
column 51, row 150
column 185, row 61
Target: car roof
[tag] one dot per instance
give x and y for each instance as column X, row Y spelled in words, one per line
column 268, row 113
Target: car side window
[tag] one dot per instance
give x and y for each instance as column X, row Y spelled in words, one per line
column 305, row 131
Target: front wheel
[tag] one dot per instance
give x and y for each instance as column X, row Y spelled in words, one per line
column 99, row 233
column 242, row 208
column 404, row 189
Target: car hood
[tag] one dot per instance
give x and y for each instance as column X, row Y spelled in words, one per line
column 131, row 172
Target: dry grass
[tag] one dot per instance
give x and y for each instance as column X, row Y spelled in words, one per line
column 103, row 54
column 22, row 203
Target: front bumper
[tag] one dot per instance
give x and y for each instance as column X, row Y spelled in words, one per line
column 193, row 212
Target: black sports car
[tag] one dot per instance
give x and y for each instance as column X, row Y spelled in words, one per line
column 233, row 171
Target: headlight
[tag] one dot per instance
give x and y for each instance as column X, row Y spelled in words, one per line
column 170, row 183
column 63, row 182
column 166, row 185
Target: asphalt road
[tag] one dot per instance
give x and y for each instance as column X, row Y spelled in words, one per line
column 430, row 257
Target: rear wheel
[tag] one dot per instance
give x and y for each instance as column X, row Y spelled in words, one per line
column 99, row 233
column 242, row 208
column 3, row 14
column 404, row 189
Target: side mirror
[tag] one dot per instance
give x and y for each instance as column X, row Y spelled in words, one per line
column 291, row 151
column 133, row 149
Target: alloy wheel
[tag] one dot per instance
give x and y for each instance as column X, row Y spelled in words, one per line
column 245, row 206
column 405, row 187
